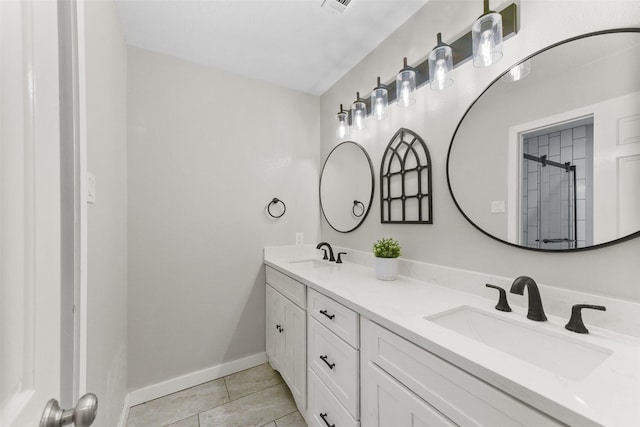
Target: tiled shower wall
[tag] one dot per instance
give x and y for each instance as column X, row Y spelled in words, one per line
column 547, row 192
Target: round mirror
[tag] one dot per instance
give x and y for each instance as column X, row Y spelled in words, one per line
column 548, row 156
column 346, row 186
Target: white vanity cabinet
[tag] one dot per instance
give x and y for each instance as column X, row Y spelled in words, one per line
column 286, row 333
column 334, row 363
column 405, row 385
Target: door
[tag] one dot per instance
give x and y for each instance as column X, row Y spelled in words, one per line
column 556, row 161
column 617, row 167
column 295, row 369
column 275, row 329
column 387, row 403
column 29, row 211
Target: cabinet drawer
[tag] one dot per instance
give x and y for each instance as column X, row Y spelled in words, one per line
column 322, row 404
column 463, row 398
column 336, row 364
column 335, row 316
column 287, row 286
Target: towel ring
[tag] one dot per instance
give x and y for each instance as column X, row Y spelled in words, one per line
column 357, row 203
column 275, row 201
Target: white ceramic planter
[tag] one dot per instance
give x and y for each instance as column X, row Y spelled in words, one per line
column 386, row 268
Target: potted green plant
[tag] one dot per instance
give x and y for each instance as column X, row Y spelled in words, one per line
column 386, row 252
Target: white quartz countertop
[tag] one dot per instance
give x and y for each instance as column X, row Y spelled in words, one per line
column 608, row 396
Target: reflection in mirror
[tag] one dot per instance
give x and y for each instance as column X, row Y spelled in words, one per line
column 552, row 161
column 346, row 186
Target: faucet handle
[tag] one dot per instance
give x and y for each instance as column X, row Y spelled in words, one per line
column 339, row 260
column 325, row 253
column 576, row 324
column 502, row 305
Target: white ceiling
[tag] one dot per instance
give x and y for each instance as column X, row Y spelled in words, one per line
column 291, row 43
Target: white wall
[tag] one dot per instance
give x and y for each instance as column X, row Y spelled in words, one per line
column 451, row 240
column 105, row 76
column 207, row 151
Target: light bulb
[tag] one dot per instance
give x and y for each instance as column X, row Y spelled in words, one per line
column 379, row 101
column 405, row 93
column 342, row 130
column 441, row 72
column 358, row 120
column 378, row 109
column 441, row 65
column 405, row 85
column 518, row 72
column 485, row 47
column 486, row 38
column 342, row 126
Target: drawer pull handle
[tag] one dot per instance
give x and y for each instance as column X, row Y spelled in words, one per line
column 324, row 359
column 279, row 328
column 324, row 418
column 330, row 316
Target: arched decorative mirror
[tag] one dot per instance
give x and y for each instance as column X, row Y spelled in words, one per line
column 548, row 156
column 346, row 186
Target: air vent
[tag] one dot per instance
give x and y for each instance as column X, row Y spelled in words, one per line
column 335, row 6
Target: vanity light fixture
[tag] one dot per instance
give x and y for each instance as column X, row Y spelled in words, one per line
column 518, row 72
column 405, row 85
column 483, row 44
column 441, row 65
column 342, row 125
column 358, row 112
column 379, row 101
column 486, row 36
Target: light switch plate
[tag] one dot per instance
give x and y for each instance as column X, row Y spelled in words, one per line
column 91, row 188
column 497, row 206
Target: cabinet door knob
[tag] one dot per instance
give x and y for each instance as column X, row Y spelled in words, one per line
column 324, row 359
column 324, row 418
column 330, row 316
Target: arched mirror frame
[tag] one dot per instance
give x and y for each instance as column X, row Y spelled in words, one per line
column 368, row 206
column 596, row 246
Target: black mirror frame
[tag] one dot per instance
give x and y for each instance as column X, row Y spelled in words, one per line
column 362, row 217
column 455, row 201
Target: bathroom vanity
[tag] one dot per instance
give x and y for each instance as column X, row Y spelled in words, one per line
column 413, row 353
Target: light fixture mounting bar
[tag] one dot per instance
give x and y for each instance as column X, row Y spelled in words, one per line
column 462, row 52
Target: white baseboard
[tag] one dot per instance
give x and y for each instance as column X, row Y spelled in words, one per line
column 173, row 385
column 125, row 411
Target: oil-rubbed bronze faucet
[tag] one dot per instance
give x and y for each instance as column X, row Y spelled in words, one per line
column 332, row 258
column 536, row 312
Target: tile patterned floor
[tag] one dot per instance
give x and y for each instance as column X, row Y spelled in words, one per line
column 256, row 397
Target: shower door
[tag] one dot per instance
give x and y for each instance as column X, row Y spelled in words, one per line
column 551, row 213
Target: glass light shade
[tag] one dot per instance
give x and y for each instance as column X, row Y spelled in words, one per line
column 379, row 101
column 342, row 125
column 358, row 112
column 405, row 85
column 441, row 66
column 486, row 35
column 518, row 72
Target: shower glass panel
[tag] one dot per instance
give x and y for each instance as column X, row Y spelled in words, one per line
column 554, row 163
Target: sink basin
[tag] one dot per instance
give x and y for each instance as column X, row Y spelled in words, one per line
column 314, row 263
column 558, row 353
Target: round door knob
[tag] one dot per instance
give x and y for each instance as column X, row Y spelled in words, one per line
column 83, row 415
column 86, row 410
